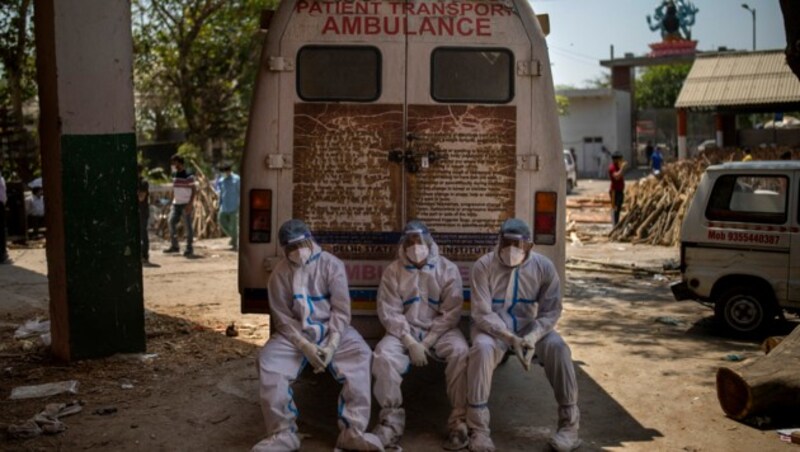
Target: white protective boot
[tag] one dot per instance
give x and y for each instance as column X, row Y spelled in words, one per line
column 391, row 426
column 351, row 440
column 457, row 439
column 566, row 438
column 282, row 441
column 480, row 442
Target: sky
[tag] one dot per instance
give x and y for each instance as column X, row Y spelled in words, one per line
column 582, row 31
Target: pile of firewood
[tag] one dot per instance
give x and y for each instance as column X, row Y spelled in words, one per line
column 655, row 205
column 204, row 213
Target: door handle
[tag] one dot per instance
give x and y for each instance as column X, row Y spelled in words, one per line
column 407, row 156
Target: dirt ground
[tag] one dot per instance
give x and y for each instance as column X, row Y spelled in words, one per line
column 645, row 364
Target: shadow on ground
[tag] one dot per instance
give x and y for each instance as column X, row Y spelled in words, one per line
column 200, row 391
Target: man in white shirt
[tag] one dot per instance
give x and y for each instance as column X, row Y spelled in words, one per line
column 182, row 202
column 34, row 207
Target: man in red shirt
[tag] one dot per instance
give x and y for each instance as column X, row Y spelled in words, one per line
column 617, row 191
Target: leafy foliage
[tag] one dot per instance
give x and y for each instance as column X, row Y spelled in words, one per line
column 17, row 86
column 659, row 86
column 16, row 55
column 562, row 105
column 195, row 64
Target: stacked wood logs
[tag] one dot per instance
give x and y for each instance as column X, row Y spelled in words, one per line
column 204, row 213
column 655, row 205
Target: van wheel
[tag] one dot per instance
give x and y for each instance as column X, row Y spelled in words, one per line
column 745, row 311
column 570, row 186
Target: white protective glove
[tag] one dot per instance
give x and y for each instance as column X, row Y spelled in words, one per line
column 529, row 346
column 530, row 339
column 514, row 342
column 416, row 351
column 311, row 352
column 429, row 342
column 326, row 352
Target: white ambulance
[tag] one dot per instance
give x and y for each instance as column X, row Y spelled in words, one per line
column 740, row 244
column 369, row 113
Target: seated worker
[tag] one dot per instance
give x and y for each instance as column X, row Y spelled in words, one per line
column 419, row 303
column 516, row 302
column 310, row 309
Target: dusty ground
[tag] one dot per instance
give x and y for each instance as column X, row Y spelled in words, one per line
column 645, row 385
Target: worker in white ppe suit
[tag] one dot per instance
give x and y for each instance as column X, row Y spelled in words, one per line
column 419, row 304
column 310, row 310
column 515, row 304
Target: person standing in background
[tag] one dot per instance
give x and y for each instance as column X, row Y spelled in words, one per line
column 617, row 190
column 227, row 187
column 182, row 201
column 143, row 198
column 656, row 160
column 3, row 199
column 34, row 207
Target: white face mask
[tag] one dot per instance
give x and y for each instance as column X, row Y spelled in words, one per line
column 512, row 255
column 300, row 256
column 417, row 253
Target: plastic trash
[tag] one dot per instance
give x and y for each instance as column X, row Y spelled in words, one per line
column 734, row 358
column 44, row 390
column 668, row 321
column 32, row 328
column 142, row 357
column 47, row 421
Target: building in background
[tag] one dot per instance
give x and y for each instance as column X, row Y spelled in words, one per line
column 597, row 117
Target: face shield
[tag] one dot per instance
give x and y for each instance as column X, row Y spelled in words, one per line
column 297, row 242
column 299, row 251
column 514, row 242
column 416, row 242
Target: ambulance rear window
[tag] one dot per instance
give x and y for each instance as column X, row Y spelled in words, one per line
column 327, row 73
column 472, row 75
column 749, row 199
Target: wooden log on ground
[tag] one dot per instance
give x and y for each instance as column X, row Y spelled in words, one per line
column 768, row 383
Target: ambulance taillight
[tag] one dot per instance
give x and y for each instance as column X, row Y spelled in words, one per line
column 544, row 219
column 260, row 216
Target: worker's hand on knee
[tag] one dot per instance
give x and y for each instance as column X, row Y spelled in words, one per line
column 311, row 352
column 416, row 351
column 428, row 342
column 530, row 339
column 528, row 358
column 512, row 340
column 326, row 352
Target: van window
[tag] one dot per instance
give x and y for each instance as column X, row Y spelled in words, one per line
column 472, row 75
column 327, row 73
column 749, row 199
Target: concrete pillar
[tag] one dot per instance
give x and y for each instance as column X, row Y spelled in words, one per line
column 84, row 63
column 623, row 79
column 682, row 127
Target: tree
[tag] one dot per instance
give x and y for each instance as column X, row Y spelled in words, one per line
column 17, row 86
column 16, row 56
column 659, row 86
column 562, row 105
column 195, row 63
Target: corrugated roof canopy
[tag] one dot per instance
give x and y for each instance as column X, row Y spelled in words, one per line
column 740, row 79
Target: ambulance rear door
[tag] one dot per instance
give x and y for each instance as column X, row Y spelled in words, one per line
column 466, row 115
